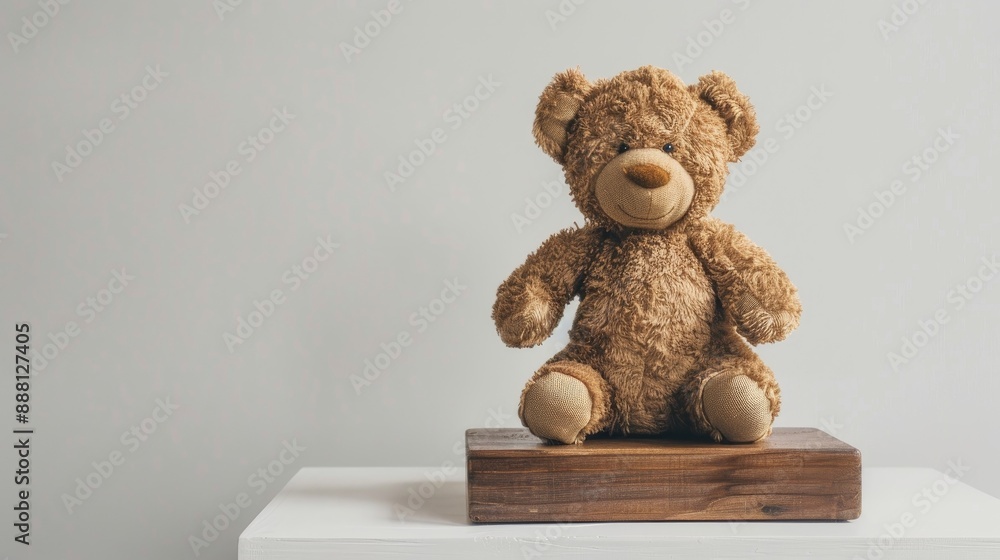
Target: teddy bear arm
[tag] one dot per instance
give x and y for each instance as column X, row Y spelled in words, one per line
column 753, row 289
column 532, row 300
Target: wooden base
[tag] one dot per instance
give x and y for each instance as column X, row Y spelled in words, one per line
column 795, row 474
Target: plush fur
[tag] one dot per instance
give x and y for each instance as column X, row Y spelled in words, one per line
column 662, row 310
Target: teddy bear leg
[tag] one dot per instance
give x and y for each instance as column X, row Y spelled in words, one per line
column 734, row 401
column 565, row 401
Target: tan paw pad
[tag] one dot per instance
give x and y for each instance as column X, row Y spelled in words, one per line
column 737, row 407
column 557, row 407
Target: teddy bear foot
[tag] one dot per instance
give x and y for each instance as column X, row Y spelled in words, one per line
column 557, row 407
column 737, row 408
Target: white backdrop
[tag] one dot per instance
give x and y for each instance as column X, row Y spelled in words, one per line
column 197, row 224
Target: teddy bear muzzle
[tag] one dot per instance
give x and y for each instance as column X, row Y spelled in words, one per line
column 644, row 188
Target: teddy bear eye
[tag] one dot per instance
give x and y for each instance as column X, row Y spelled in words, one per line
column 623, row 147
column 668, row 147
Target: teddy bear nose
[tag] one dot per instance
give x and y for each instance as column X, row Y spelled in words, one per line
column 647, row 175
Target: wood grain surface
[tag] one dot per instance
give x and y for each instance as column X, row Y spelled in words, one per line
column 795, row 474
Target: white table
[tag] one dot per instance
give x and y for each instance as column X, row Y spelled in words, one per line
column 355, row 513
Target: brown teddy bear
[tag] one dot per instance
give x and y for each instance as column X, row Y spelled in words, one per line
column 669, row 295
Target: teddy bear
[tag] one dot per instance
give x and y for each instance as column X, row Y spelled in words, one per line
column 670, row 298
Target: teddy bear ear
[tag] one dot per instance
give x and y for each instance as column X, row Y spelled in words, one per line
column 719, row 91
column 557, row 106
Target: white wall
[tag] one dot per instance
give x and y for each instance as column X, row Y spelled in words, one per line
column 323, row 177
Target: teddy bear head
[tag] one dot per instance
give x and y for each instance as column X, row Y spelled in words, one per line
column 642, row 150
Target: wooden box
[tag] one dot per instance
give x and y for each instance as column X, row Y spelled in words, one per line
column 795, row 474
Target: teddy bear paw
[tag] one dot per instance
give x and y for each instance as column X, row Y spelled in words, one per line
column 528, row 327
column 737, row 408
column 557, row 407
